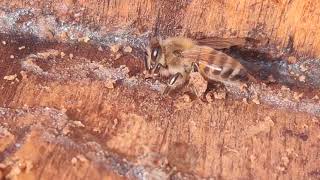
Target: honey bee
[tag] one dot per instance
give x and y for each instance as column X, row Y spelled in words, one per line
column 177, row 57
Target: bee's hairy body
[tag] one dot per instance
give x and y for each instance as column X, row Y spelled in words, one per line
column 178, row 55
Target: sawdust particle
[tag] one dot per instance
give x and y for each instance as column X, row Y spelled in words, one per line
column 21, row 47
column 10, row 77
column 114, row 48
column 127, row 49
column 302, row 78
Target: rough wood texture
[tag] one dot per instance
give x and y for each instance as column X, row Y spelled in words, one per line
column 64, row 121
column 290, row 25
column 85, row 116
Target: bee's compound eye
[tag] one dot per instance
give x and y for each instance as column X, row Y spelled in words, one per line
column 155, row 52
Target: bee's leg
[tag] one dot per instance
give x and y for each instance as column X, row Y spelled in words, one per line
column 194, row 67
column 194, row 91
column 171, row 83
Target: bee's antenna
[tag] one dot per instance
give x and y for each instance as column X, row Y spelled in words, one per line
column 157, row 25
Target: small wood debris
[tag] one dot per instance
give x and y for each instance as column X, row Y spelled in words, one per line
column 186, row 98
column 256, row 99
column 70, row 55
column 285, row 88
column 11, row 56
column 302, row 78
column 220, row 95
column 297, row 96
column 4, row 42
column 115, row 123
column 66, row 130
column 118, row 56
column 82, row 158
column 209, row 97
column 77, row 124
column 292, row 60
column 198, row 83
column 127, row 49
column 48, row 53
column 21, row 47
column 100, row 48
column 115, row 48
column 74, row 161
column 24, row 74
column 109, row 84
column 271, row 78
column 244, row 100
column 84, row 39
column 96, row 129
column 26, row 165
column 10, row 77
column 64, row 36
column 316, row 97
column 303, row 68
column 62, row 54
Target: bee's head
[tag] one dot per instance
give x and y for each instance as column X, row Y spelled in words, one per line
column 153, row 53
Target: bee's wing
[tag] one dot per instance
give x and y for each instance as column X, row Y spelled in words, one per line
column 209, row 55
column 221, row 43
column 218, row 63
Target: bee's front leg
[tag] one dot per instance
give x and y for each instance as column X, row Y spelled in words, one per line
column 172, row 83
column 194, row 91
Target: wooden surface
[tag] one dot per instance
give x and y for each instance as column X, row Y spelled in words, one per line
column 69, row 124
column 61, row 118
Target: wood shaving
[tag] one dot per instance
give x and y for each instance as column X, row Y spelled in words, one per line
column 77, row 124
column 115, row 48
column 109, row 84
column 74, row 161
column 66, row 130
column 244, row 100
column 64, row 36
column 62, row 54
column 220, row 95
column 303, row 68
column 186, row 98
column 256, row 99
column 4, row 42
column 271, row 78
column 118, row 56
column 24, row 74
column 198, row 83
column 84, row 39
column 70, row 55
column 115, row 123
column 285, row 88
column 82, row 158
column 316, row 97
column 11, row 56
column 302, row 78
column 297, row 96
column 21, row 47
column 48, row 53
column 10, row 77
column 209, row 97
column 127, row 49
